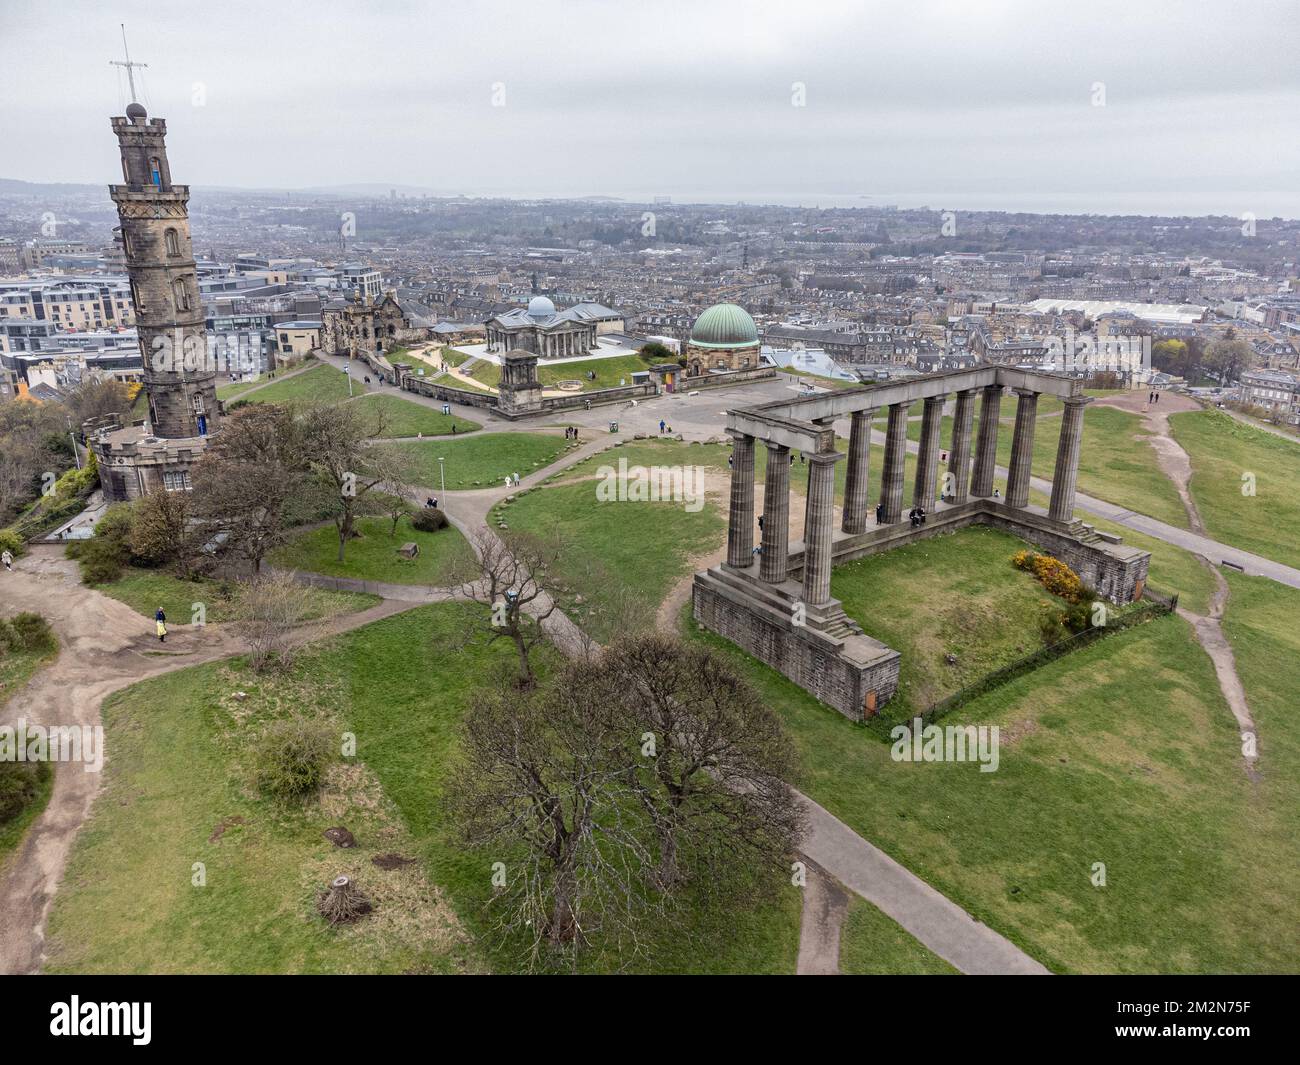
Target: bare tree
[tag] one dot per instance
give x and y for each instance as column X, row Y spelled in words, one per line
column 164, row 531
column 716, row 760
column 266, row 610
column 249, row 480
column 96, row 397
column 506, row 575
column 337, row 444
column 542, row 787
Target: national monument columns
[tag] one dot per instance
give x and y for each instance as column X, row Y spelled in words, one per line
column 819, row 530
column 740, row 518
column 776, row 515
column 1066, row 475
column 856, row 493
column 1022, row 448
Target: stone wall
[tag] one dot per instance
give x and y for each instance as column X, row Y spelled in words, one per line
column 685, row 383
column 1117, row 571
column 856, row 688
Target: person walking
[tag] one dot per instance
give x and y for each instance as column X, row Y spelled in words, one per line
column 661, row 426
column 160, row 624
column 8, row 559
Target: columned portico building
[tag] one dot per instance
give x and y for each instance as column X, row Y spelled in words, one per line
column 775, row 600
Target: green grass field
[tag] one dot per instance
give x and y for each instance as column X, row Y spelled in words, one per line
column 145, row 590
column 954, row 594
column 1122, row 753
column 405, row 418
column 320, row 384
column 1227, row 457
column 180, row 771
column 17, row 667
column 374, row 557
column 873, row 944
column 609, row 372
column 627, row 555
column 481, row 461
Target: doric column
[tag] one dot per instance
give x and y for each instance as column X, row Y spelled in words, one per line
column 891, row 478
column 959, row 453
column 1066, row 476
column 820, row 528
column 986, row 447
column 927, row 456
column 776, row 514
column 740, row 518
column 856, row 494
column 1022, row 448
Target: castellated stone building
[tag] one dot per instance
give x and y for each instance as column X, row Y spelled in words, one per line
column 179, row 375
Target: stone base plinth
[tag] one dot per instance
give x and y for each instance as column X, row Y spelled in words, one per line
column 827, row 654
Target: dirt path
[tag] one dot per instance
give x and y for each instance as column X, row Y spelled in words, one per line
column 1211, row 637
column 1177, row 466
column 104, row 646
column 1173, row 461
column 825, row 905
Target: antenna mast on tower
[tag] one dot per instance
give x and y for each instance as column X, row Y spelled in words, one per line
column 129, row 65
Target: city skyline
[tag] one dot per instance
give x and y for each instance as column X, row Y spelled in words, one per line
column 1012, row 108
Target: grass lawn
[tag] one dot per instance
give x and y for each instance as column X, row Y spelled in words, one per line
column 405, row 418
column 627, row 554
column 610, row 371
column 483, row 460
column 145, row 590
column 1223, row 451
column 872, row 943
column 374, row 557
column 17, row 667
column 401, row 686
column 1122, row 753
column 178, row 791
column 320, row 384
column 953, row 594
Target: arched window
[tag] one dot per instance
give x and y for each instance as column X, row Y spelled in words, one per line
column 155, row 170
column 180, row 294
column 135, row 297
column 172, row 242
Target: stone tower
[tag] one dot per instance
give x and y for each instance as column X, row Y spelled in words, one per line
column 179, row 374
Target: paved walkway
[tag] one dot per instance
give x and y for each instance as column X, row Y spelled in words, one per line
column 825, row 905
column 942, row 925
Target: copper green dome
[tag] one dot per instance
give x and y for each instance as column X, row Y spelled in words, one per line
column 725, row 325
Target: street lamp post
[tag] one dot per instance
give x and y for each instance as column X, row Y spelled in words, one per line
column 348, row 375
column 442, row 475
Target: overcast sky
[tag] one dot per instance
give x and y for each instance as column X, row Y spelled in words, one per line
column 971, row 103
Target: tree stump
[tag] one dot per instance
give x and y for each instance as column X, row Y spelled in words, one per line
column 343, row 903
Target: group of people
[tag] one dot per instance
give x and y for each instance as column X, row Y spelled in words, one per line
column 512, row 480
column 431, row 502
column 1153, row 397
column 665, row 428
column 917, row 516
column 571, row 433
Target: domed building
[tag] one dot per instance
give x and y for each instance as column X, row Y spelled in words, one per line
column 550, row 334
column 724, row 338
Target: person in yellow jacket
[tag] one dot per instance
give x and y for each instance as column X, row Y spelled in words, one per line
column 160, row 620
